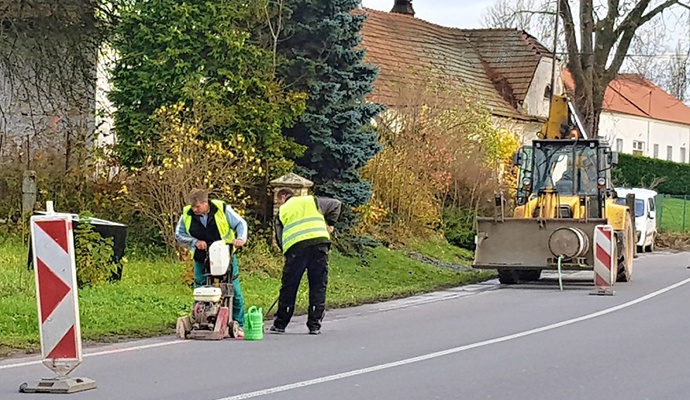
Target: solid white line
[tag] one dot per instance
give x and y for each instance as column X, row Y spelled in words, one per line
column 454, row 350
column 100, row 353
column 422, row 300
column 374, row 368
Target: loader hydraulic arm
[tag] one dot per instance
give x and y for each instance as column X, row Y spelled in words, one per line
column 563, row 122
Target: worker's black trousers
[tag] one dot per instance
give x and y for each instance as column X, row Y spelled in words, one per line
column 314, row 259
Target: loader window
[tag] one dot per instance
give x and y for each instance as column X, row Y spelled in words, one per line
column 567, row 168
column 525, row 173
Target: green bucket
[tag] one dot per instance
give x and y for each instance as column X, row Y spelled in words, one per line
column 254, row 326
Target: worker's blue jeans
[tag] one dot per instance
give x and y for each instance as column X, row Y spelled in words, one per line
column 238, row 299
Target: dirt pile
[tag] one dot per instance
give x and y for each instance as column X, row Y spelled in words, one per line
column 679, row 241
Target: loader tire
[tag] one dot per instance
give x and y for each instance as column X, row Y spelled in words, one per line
column 508, row 276
column 627, row 253
column 530, row 275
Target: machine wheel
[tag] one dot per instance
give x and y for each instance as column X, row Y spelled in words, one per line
column 530, row 275
column 650, row 248
column 508, row 276
column 184, row 326
column 625, row 266
column 234, row 329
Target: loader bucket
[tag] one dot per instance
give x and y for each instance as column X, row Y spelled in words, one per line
column 523, row 243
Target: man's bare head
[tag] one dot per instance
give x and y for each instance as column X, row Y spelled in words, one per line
column 283, row 195
column 198, row 198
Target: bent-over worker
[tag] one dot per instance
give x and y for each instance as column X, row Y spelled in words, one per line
column 303, row 227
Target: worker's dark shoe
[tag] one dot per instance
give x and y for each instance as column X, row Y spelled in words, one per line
column 314, row 331
column 276, row 330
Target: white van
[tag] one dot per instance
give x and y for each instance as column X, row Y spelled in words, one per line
column 645, row 215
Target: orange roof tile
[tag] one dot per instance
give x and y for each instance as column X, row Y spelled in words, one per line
column 634, row 95
column 498, row 63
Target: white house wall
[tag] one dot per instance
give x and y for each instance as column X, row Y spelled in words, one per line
column 536, row 104
column 105, row 134
column 42, row 105
column 623, row 129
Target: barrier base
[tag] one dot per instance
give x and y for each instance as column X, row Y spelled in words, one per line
column 58, row 385
column 603, row 291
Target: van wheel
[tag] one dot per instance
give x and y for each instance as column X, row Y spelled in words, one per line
column 650, row 248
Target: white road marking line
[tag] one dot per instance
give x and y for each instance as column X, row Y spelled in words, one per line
column 417, row 300
column 454, row 350
column 99, row 353
column 374, row 368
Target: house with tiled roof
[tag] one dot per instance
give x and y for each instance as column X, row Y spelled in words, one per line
column 640, row 118
column 508, row 70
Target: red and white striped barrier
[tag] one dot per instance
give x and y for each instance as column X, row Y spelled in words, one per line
column 604, row 263
column 58, row 308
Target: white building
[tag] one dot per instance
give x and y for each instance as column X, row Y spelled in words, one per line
column 640, row 118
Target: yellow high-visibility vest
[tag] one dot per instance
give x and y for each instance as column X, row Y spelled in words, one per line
column 301, row 220
column 227, row 234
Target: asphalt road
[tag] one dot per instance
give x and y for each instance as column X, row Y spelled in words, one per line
column 484, row 341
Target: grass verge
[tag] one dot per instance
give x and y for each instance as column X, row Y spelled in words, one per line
column 675, row 215
column 152, row 294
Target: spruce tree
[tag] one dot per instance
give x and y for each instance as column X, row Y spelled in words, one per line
column 319, row 44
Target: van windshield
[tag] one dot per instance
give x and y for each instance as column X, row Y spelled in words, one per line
column 639, row 205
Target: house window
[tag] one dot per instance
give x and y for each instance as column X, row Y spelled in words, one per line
column 669, row 153
column 638, row 148
column 656, row 151
column 547, row 92
column 682, row 155
column 619, row 145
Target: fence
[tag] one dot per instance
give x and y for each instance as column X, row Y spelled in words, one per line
column 673, row 213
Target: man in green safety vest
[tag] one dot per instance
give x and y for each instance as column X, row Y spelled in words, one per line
column 203, row 222
column 303, row 227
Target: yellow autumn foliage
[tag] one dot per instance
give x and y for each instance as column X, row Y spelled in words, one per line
column 182, row 159
column 441, row 149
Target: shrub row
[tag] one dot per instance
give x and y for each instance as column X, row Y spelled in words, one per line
column 663, row 176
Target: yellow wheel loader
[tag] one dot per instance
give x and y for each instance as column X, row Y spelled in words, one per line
column 564, row 191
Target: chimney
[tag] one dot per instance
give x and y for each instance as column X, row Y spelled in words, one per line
column 403, row 7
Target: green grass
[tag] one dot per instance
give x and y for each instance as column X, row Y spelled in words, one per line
column 151, row 294
column 672, row 215
column 442, row 250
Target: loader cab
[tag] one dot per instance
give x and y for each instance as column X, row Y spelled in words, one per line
column 567, row 168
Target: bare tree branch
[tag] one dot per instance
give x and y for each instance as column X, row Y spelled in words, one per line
column 571, row 40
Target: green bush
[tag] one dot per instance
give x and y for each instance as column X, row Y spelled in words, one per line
column 663, row 176
column 93, row 255
column 459, row 227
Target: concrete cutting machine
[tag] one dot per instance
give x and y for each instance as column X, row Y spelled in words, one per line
column 211, row 317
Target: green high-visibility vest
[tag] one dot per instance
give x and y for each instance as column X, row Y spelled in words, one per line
column 227, row 234
column 301, row 220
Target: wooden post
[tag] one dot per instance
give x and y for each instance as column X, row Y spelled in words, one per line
column 28, row 192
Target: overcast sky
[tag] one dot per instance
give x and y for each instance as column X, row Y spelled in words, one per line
column 455, row 13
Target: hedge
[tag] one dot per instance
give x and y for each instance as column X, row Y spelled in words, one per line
column 641, row 171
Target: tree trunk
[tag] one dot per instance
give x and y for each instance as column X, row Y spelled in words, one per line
column 603, row 45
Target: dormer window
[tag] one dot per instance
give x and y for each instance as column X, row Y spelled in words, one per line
column 547, row 92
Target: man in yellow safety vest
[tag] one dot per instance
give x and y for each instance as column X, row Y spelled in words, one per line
column 303, row 227
column 203, row 222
